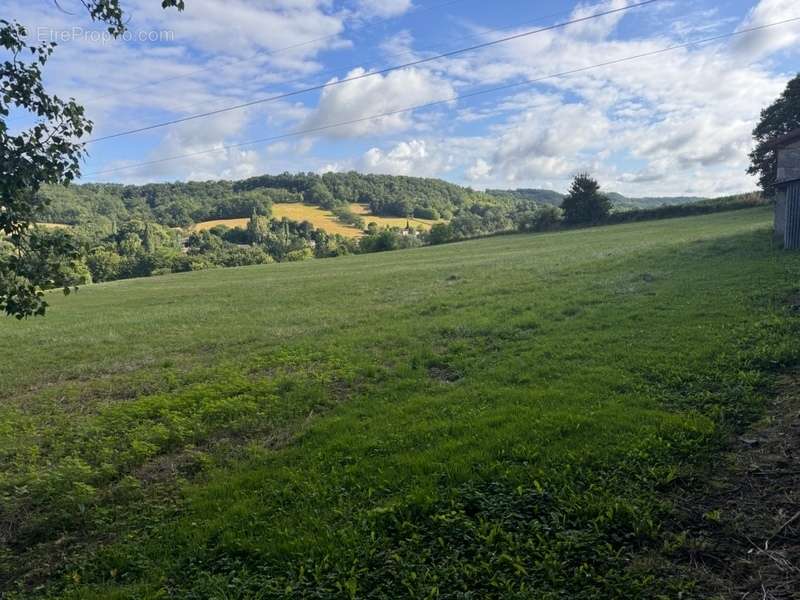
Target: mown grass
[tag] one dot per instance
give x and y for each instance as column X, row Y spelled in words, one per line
column 499, row 418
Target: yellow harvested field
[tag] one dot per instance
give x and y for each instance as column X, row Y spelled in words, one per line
column 321, row 219
column 53, row 225
column 318, row 217
column 363, row 210
column 206, row 225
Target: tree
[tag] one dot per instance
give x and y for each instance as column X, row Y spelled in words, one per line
column 48, row 153
column 778, row 119
column 382, row 241
column 584, row 203
column 319, row 194
column 105, row 265
column 426, row 212
column 544, row 218
column 147, row 239
column 440, row 233
column 257, row 228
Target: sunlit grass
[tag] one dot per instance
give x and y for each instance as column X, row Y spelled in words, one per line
column 504, row 417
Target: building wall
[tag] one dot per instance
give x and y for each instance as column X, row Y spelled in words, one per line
column 792, row 234
column 787, row 201
column 789, row 163
column 780, row 214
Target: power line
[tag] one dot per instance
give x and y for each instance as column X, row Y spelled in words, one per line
column 449, row 100
column 434, row 46
column 279, row 51
column 384, row 71
column 207, row 68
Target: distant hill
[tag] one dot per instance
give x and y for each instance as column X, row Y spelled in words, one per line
column 620, row 202
column 625, row 203
column 180, row 204
column 538, row 196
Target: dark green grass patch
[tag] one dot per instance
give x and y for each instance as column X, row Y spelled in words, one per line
column 502, row 418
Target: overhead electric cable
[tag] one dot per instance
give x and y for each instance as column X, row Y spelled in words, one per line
column 448, row 100
column 417, row 51
column 252, row 57
column 384, row 71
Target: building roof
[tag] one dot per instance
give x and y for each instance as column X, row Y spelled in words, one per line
column 785, row 140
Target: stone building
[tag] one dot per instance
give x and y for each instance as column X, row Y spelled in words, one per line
column 787, row 199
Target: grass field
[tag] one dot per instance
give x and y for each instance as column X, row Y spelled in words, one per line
column 321, row 219
column 501, row 418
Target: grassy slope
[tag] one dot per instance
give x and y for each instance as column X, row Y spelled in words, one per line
column 503, row 416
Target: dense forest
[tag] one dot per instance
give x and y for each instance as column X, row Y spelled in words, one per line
column 122, row 231
column 181, row 204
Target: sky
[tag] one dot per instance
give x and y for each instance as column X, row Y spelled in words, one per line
column 678, row 123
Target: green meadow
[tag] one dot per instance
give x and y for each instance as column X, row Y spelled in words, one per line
column 501, row 418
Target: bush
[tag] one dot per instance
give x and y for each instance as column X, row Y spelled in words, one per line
column 440, row 233
column 105, row 265
column 348, row 217
column 425, row 212
column 185, row 262
column 546, row 218
column 237, row 235
column 299, row 255
column 219, row 230
column 242, row 256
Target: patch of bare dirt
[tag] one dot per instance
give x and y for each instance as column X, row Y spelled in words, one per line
column 743, row 529
column 443, row 373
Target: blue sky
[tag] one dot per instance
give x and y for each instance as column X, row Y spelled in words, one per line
column 678, row 123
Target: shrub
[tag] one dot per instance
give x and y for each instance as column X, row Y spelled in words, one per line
column 440, row 233
column 426, row 212
column 348, row 217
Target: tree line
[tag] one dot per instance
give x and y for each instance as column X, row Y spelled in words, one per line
column 119, row 232
column 181, row 204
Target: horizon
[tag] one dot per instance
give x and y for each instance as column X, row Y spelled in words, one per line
column 486, row 190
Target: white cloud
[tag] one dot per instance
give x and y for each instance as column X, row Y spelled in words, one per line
column 683, row 118
column 399, row 45
column 379, row 94
column 761, row 43
column 600, row 27
column 479, row 171
column 406, row 158
column 217, row 54
column 291, row 27
column 550, row 141
column 384, row 8
column 330, row 168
